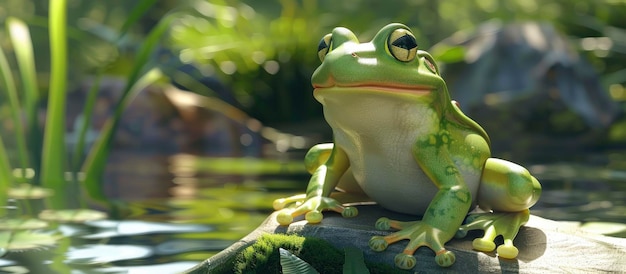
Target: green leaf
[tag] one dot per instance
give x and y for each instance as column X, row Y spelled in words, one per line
column 22, row 224
column 72, row 215
column 23, row 47
column 90, row 103
column 243, row 166
column 354, row 262
column 5, row 177
column 448, row 54
column 96, row 160
column 291, row 264
column 605, row 228
column 9, row 86
column 25, row 239
column 28, row 191
column 53, row 154
column 136, row 14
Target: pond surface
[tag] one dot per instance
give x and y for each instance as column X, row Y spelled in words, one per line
column 180, row 210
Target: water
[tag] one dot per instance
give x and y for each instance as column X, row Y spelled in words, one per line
column 183, row 209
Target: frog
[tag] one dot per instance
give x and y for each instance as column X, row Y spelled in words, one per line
column 399, row 139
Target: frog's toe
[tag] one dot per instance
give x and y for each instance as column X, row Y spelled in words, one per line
column 483, row 245
column 445, row 258
column 383, row 224
column 349, row 212
column 378, row 243
column 506, row 224
column 284, row 217
column 405, row 261
column 281, row 203
column 507, row 251
column 313, row 217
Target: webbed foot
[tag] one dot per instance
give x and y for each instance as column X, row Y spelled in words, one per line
column 506, row 224
column 311, row 208
column 419, row 234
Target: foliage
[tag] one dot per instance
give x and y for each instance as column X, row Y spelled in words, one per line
column 291, row 264
column 45, row 158
column 263, row 256
column 23, row 240
column 49, row 163
column 52, row 166
column 354, row 262
column 266, row 51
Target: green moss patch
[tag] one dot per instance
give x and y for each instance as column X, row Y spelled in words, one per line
column 264, row 257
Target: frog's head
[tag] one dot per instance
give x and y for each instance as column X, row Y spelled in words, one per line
column 390, row 63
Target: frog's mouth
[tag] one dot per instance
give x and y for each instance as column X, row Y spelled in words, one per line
column 378, row 87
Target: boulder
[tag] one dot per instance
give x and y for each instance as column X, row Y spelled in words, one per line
column 545, row 246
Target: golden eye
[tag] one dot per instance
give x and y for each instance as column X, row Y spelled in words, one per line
column 402, row 45
column 324, row 46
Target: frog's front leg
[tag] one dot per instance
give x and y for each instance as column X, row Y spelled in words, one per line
column 443, row 216
column 507, row 190
column 327, row 163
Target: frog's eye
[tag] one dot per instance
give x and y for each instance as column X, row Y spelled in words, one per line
column 402, row 45
column 324, row 46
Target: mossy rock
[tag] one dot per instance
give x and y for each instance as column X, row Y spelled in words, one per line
column 544, row 247
column 263, row 256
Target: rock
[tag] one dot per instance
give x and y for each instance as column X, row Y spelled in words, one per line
column 545, row 246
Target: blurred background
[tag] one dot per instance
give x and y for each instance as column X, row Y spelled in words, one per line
column 198, row 156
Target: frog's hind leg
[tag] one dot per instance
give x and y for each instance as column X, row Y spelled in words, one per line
column 507, row 190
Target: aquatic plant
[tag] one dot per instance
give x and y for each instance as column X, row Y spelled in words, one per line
column 51, row 172
column 42, row 166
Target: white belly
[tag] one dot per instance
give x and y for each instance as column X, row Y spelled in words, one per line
column 378, row 133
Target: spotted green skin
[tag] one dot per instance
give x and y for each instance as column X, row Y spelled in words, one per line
column 400, row 139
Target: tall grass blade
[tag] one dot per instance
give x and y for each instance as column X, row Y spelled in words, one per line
column 23, row 47
column 53, row 154
column 79, row 148
column 6, row 179
column 96, row 160
column 97, row 157
column 137, row 12
column 8, row 85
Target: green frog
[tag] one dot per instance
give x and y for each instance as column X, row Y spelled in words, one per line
column 401, row 140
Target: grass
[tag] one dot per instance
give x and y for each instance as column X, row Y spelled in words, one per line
column 47, row 156
column 53, row 153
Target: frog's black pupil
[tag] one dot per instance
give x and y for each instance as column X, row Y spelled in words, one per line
column 405, row 42
column 322, row 45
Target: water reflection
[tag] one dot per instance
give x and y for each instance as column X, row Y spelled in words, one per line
column 593, row 189
column 175, row 212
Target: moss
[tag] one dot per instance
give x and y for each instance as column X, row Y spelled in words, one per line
column 263, row 256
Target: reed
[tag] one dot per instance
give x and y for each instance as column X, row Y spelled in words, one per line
column 47, row 156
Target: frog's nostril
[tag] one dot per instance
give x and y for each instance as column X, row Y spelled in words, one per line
column 354, row 55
